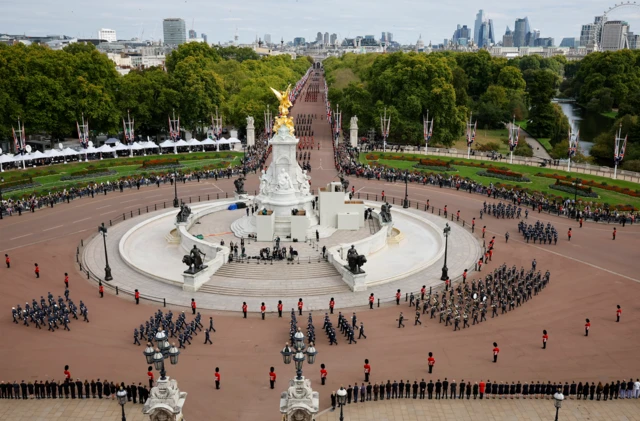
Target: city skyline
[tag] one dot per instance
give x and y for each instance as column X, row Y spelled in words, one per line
column 406, row 20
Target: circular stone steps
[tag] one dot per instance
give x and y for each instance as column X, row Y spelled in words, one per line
column 284, row 292
column 278, row 271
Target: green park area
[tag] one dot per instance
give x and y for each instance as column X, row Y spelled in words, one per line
column 593, row 190
column 52, row 178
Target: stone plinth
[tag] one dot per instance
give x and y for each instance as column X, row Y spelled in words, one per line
column 299, row 402
column 193, row 281
column 356, row 281
column 265, row 225
column 165, row 401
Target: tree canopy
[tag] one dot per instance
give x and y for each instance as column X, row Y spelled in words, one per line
column 50, row 90
column 449, row 86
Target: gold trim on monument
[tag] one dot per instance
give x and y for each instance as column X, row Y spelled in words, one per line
column 283, row 119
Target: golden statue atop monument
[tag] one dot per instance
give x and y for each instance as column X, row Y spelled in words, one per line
column 283, row 119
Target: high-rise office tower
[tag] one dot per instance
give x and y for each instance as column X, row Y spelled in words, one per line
column 174, row 31
column 267, row 39
column 520, row 33
column 192, row 34
column 333, row 39
column 319, row 37
column 477, row 26
column 325, row 39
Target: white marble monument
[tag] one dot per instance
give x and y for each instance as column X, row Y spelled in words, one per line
column 353, row 132
column 285, row 202
column 251, row 132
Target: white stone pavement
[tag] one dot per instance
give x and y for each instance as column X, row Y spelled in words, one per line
column 464, row 250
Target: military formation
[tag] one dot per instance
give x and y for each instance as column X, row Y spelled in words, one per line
column 181, row 329
column 500, row 210
column 311, row 332
column 347, row 327
column 468, row 304
column 539, row 232
column 50, row 313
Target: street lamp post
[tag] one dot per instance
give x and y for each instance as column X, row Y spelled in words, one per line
column 162, row 351
column 122, row 399
column 1, row 205
column 558, row 397
column 244, row 160
column 297, row 351
column 176, row 202
column 575, row 196
column 342, row 400
column 405, row 205
column 445, row 270
column 107, row 270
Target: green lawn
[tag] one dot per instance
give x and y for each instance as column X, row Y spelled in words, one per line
column 500, row 136
column 540, row 184
column 49, row 177
column 522, row 124
column 545, row 142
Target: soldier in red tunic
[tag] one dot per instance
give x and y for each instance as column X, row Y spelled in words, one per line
column 496, row 351
column 272, row 377
column 367, row 370
column 431, row 361
column 545, row 338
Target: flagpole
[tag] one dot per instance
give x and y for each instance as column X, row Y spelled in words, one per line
column 469, row 136
column 426, row 134
column 511, row 147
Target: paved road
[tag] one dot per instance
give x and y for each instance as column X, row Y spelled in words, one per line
column 538, row 150
column 590, row 275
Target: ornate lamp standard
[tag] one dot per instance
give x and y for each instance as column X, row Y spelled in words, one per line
column 445, row 270
column 300, row 399
column 298, row 352
column 1, row 205
column 576, row 183
column 160, row 353
column 342, row 400
column 405, row 205
column 244, row 160
column 122, row 399
column 558, row 397
column 107, row 270
column 176, row 202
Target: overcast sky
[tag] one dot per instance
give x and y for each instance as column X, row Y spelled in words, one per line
column 406, row 19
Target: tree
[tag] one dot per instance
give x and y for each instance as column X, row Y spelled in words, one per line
column 238, row 54
column 150, row 98
column 511, row 78
column 492, row 108
column 199, row 91
column 191, row 49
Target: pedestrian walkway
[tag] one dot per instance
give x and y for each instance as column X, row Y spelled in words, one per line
column 68, row 410
column 495, row 410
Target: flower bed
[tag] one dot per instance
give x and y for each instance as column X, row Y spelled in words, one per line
column 507, row 173
column 24, row 183
column 88, row 173
column 572, row 190
column 590, row 183
column 158, row 163
column 504, row 175
column 434, row 168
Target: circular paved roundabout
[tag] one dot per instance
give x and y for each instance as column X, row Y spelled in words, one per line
column 144, row 255
column 589, row 276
